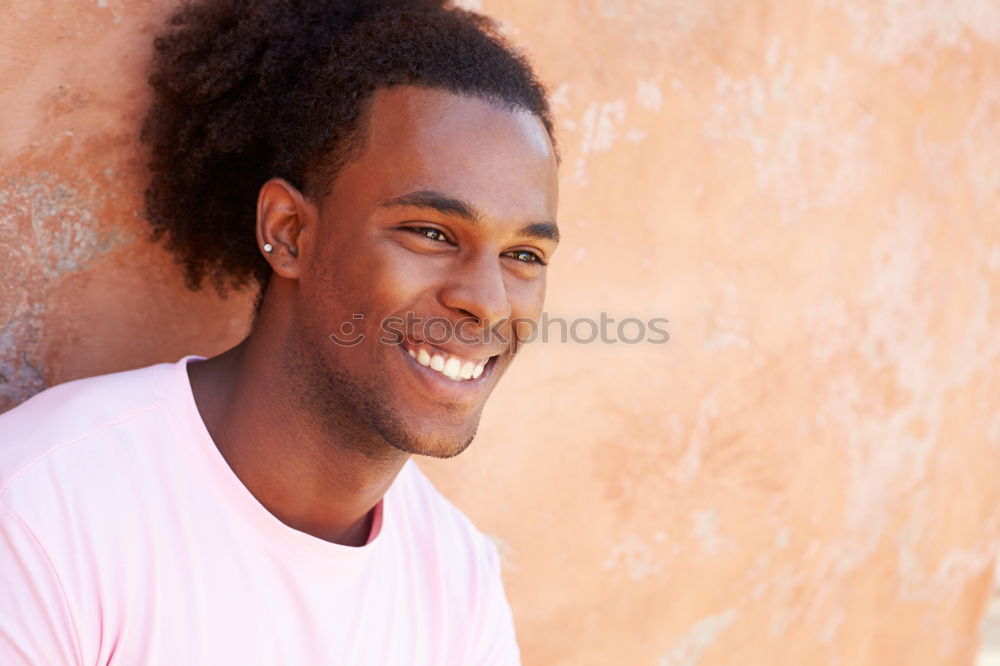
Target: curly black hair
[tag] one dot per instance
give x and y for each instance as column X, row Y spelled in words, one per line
column 247, row 90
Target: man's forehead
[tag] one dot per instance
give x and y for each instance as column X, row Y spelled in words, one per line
column 427, row 139
column 424, row 114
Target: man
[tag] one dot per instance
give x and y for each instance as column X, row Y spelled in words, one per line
column 385, row 173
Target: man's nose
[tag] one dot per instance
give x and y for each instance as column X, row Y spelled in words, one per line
column 477, row 289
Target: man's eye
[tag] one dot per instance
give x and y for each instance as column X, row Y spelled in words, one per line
column 430, row 232
column 526, row 256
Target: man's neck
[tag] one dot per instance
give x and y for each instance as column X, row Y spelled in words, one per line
column 307, row 477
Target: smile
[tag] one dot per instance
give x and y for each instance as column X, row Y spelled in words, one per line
column 453, row 367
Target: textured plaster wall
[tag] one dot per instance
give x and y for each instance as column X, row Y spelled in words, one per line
column 808, row 472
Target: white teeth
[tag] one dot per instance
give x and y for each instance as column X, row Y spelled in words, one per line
column 452, row 368
column 423, row 358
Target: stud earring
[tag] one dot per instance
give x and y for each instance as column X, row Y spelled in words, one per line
column 268, row 247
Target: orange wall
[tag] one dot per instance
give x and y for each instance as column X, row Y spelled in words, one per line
column 807, row 473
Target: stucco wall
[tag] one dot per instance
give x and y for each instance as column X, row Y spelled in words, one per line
column 808, row 472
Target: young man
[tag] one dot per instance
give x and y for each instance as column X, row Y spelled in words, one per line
column 385, row 172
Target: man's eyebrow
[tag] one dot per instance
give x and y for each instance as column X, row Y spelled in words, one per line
column 437, row 201
column 540, row 231
column 446, row 205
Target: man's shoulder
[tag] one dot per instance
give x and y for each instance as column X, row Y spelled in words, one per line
column 75, row 414
column 468, row 567
column 454, row 533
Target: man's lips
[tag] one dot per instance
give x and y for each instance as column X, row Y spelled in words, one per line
column 458, row 368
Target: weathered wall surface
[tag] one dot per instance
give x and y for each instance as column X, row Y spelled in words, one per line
column 808, row 472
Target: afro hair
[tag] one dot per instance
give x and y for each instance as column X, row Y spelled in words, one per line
column 248, row 90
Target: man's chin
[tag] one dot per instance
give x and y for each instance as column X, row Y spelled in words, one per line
column 433, row 447
column 443, row 436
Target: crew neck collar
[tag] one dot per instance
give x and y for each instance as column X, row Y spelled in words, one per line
column 238, row 498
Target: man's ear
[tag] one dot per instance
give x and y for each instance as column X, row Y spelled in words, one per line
column 283, row 215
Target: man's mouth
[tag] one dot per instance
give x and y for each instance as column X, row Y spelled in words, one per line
column 453, row 367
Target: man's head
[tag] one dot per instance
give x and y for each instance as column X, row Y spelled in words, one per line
column 398, row 159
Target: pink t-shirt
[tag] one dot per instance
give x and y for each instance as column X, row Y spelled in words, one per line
column 125, row 538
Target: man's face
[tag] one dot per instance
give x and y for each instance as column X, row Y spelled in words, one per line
column 437, row 235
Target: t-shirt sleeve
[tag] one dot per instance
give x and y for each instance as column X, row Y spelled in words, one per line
column 36, row 626
column 496, row 642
